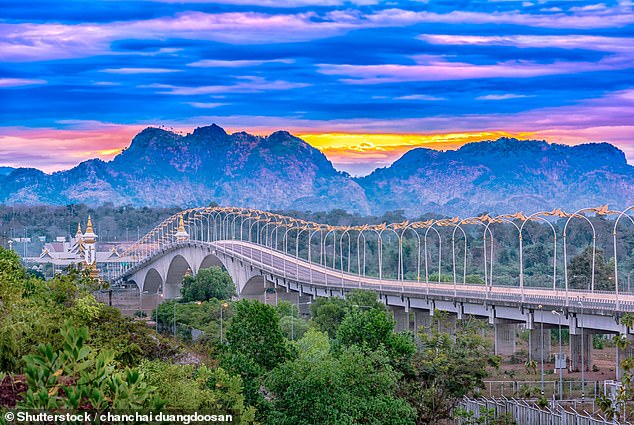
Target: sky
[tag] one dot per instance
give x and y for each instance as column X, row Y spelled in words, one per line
column 362, row 80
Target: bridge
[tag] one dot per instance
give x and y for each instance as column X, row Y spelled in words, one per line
column 267, row 253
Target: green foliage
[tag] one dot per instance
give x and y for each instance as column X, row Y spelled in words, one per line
column 32, row 310
column 74, row 376
column 620, row 408
column 356, row 386
column 293, row 328
column 445, row 369
column 475, row 279
column 131, row 341
column 191, row 388
column 374, row 328
column 531, row 367
column 204, row 316
column 255, row 332
column 207, row 284
column 580, row 271
column 433, row 277
column 598, row 342
column 255, row 345
column 484, row 417
column 328, row 313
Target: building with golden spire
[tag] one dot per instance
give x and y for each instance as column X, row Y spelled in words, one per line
column 181, row 234
column 90, row 251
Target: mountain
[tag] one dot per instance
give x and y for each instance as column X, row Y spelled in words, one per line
column 506, row 175
column 5, row 170
column 280, row 171
column 162, row 168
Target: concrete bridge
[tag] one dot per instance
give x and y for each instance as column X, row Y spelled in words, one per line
column 262, row 262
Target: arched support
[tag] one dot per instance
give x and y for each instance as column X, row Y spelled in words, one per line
column 153, row 282
column 175, row 274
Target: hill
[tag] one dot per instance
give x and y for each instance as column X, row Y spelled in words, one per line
column 282, row 172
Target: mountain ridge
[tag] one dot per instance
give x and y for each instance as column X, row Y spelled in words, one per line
column 281, row 171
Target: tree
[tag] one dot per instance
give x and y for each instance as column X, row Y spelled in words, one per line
column 190, row 388
column 207, row 284
column 445, row 369
column 73, row 377
column 319, row 387
column 255, row 346
column 255, row 331
column 373, row 328
column 327, row 314
column 580, row 271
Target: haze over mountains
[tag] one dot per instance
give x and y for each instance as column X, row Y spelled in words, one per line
column 161, row 168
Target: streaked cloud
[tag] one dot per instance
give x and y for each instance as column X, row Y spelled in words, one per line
column 19, row 82
column 139, row 70
column 503, row 96
column 420, row 97
column 247, row 84
column 213, row 63
column 437, row 68
column 205, row 105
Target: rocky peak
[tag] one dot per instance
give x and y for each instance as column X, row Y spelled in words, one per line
column 210, row 132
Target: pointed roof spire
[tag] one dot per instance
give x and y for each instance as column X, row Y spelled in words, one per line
column 79, row 232
column 89, row 225
column 90, row 233
column 181, row 234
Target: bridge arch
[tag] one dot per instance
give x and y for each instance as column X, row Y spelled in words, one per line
column 177, row 269
column 153, row 282
column 255, row 287
column 211, row 260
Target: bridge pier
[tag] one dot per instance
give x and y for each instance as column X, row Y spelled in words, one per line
column 575, row 351
column 535, row 336
column 504, row 338
column 622, row 354
column 171, row 292
column 422, row 321
column 290, row 296
column 401, row 317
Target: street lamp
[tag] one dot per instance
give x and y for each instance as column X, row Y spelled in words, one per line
column 583, row 366
column 293, row 317
column 157, row 308
column 561, row 376
column 541, row 317
column 222, row 307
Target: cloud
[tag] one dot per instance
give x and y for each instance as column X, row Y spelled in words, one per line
column 19, row 82
column 280, row 4
column 436, row 68
column 205, row 105
column 248, row 84
column 42, row 41
column 504, row 96
column 420, row 97
column 139, row 70
column 216, row 63
column 54, row 149
column 567, row 41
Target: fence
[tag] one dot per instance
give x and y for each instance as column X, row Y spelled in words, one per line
column 525, row 413
column 526, row 389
